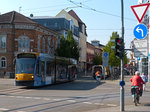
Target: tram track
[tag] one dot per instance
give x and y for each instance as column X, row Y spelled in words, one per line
column 15, row 90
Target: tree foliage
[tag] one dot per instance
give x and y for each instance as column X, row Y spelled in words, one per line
column 97, row 60
column 68, row 47
column 113, row 60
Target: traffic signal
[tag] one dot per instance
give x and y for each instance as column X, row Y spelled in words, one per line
column 119, row 47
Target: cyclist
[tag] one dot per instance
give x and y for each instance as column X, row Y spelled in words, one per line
column 98, row 76
column 136, row 82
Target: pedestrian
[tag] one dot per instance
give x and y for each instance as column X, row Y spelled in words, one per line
column 145, row 79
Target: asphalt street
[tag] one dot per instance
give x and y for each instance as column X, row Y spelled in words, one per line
column 82, row 95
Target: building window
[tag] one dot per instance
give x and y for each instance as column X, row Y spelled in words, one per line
column 3, row 62
column 24, row 44
column 3, row 41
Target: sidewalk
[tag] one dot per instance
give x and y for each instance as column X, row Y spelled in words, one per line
column 128, row 108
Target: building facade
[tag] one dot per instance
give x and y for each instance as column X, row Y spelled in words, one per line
column 61, row 25
column 64, row 22
column 21, row 34
column 91, row 52
column 82, row 41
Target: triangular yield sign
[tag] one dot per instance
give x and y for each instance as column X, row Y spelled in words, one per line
column 140, row 10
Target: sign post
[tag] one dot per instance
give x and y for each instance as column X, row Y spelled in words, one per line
column 122, row 61
column 105, row 61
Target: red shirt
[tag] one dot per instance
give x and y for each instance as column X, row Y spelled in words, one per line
column 137, row 81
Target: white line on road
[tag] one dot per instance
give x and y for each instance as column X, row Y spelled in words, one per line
column 11, row 96
column 99, row 104
column 87, row 102
column 3, row 109
column 2, row 95
column 56, row 99
column 37, row 98
column 113, row 105
column 19, row 97
column 27, row 97
column 46, row 99
column 21, row 111
column 71, row 100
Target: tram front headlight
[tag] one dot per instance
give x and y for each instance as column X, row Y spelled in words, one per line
column 32, row 77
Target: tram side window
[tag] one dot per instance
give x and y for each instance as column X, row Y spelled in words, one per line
column 50, row 69
column 37, row 68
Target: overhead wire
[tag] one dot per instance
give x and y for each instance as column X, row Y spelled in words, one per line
column 92, row 9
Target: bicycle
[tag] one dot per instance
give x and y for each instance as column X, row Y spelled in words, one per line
column 98, row 79
column 136, row 95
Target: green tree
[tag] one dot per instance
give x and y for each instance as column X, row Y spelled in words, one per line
column 97, row 60
column 63, row 49
column 68, row 47
column 113, row 60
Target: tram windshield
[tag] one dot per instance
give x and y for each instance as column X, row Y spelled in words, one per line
column 25, row 65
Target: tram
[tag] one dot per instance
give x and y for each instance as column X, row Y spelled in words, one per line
column 39, row 69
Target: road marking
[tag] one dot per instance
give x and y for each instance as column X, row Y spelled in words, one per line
column 23, row 91
column 56, row 99
column 3, row 95
column 113, row 105
column 87, row 102
column 19, row 97
column 3, row 109
column 27, row 97
column 71, row 100
column 21, row 111
column 37, row 98
column 9, row 89
column 46, row 99
column 11, row 96
column 99, row 104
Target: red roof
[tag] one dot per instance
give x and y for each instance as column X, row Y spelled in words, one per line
column 15, row 17
column 73, row 14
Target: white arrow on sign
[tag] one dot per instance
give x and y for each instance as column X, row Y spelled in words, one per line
column 138, row 30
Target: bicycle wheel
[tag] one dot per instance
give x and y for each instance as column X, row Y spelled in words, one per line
column 135, row 100
column 136, row 97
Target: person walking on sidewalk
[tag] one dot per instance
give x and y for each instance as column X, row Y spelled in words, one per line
column 144, row 77
column 136, row 82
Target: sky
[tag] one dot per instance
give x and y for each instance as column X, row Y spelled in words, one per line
column 102, row 17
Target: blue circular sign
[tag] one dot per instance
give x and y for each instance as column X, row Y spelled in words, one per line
column 105, row 54
column 140, row 31
column 138, row 58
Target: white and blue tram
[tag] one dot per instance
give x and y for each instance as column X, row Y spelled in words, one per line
column 39, row 69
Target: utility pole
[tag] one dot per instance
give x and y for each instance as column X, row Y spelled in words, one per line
column 122, row 62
